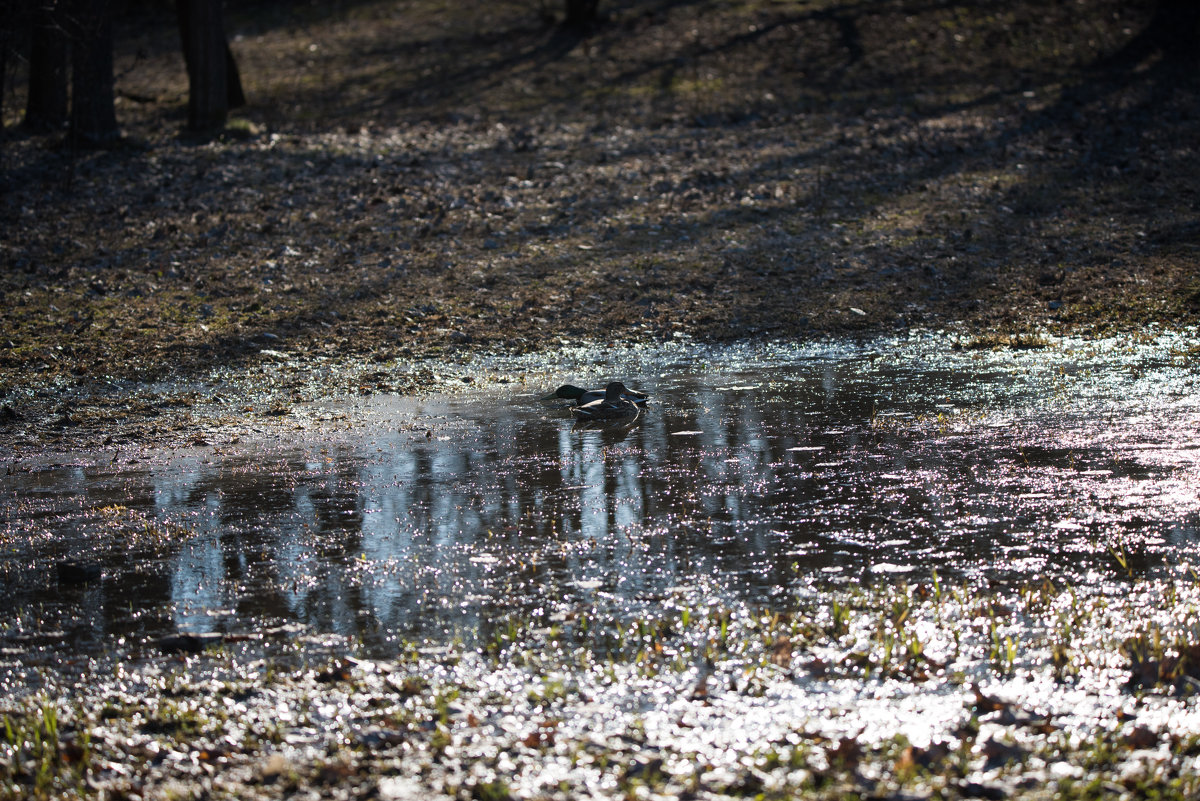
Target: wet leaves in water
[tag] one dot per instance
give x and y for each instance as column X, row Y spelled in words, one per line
column 1155, row 662
column 925, row 758
column 997, row 753
column 1142, row 736
column 846, row 753
column 781, row 651
column 334, row 673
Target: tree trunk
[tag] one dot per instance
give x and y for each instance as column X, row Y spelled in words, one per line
column 5, row 37
column 214, row 85
column 13, row 19
column 1177, row 23
column 233, row 80
column 581, row 14
column 93, row 115
column 46, row 107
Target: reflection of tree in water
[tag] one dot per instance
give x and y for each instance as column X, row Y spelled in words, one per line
column 518, row 512
column 704, row 502
column 271, row 539
column 420, row 537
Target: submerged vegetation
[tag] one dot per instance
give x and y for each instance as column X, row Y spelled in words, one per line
column 1047, row 690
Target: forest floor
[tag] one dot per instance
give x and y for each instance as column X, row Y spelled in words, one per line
column 417, row 186
column 409, row 186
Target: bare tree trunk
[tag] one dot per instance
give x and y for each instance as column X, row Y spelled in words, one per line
column 12, row 20
column 1178, row 26
column 93, row 115
column 5, row 39
column 46, row 106
column 214, row 85
column 581, row 14
column 233, row 80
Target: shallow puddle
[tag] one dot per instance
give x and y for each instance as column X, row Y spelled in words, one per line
column 893, row 569
column 752, row 477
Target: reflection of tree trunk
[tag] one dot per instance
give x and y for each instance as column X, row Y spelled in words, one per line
column 214, row 85
column 46, row 107
column 93, row 116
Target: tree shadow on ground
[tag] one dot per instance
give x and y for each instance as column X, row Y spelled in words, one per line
column 644, row 186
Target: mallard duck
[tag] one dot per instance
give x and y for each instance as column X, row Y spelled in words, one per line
column 614, row 406
column 583, row 396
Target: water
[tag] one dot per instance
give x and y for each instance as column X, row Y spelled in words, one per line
column 752, row 477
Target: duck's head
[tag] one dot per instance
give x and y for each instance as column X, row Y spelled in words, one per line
column 614, row 392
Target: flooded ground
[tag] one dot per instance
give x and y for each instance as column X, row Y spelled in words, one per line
column 825, row 547
column 738, row 484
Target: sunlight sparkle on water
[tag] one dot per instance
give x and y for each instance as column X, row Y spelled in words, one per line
column 751, row 471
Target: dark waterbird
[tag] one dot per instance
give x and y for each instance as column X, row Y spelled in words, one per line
column 583, row 396
column 615, row 406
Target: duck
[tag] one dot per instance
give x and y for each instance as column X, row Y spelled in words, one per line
column 613, row 407
column 583, row 396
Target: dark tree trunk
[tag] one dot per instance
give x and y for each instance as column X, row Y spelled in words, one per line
column 233, row 80
column 93, row 116
column 5, row 44
column 581, row 14
column 214, row 85
column 1177, row 28
column 46, row 107
column 12, row 22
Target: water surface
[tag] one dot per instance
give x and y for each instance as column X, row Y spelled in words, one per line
column 752, row 477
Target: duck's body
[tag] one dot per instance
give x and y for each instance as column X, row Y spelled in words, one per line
column 582, row 396
column 613, row 407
